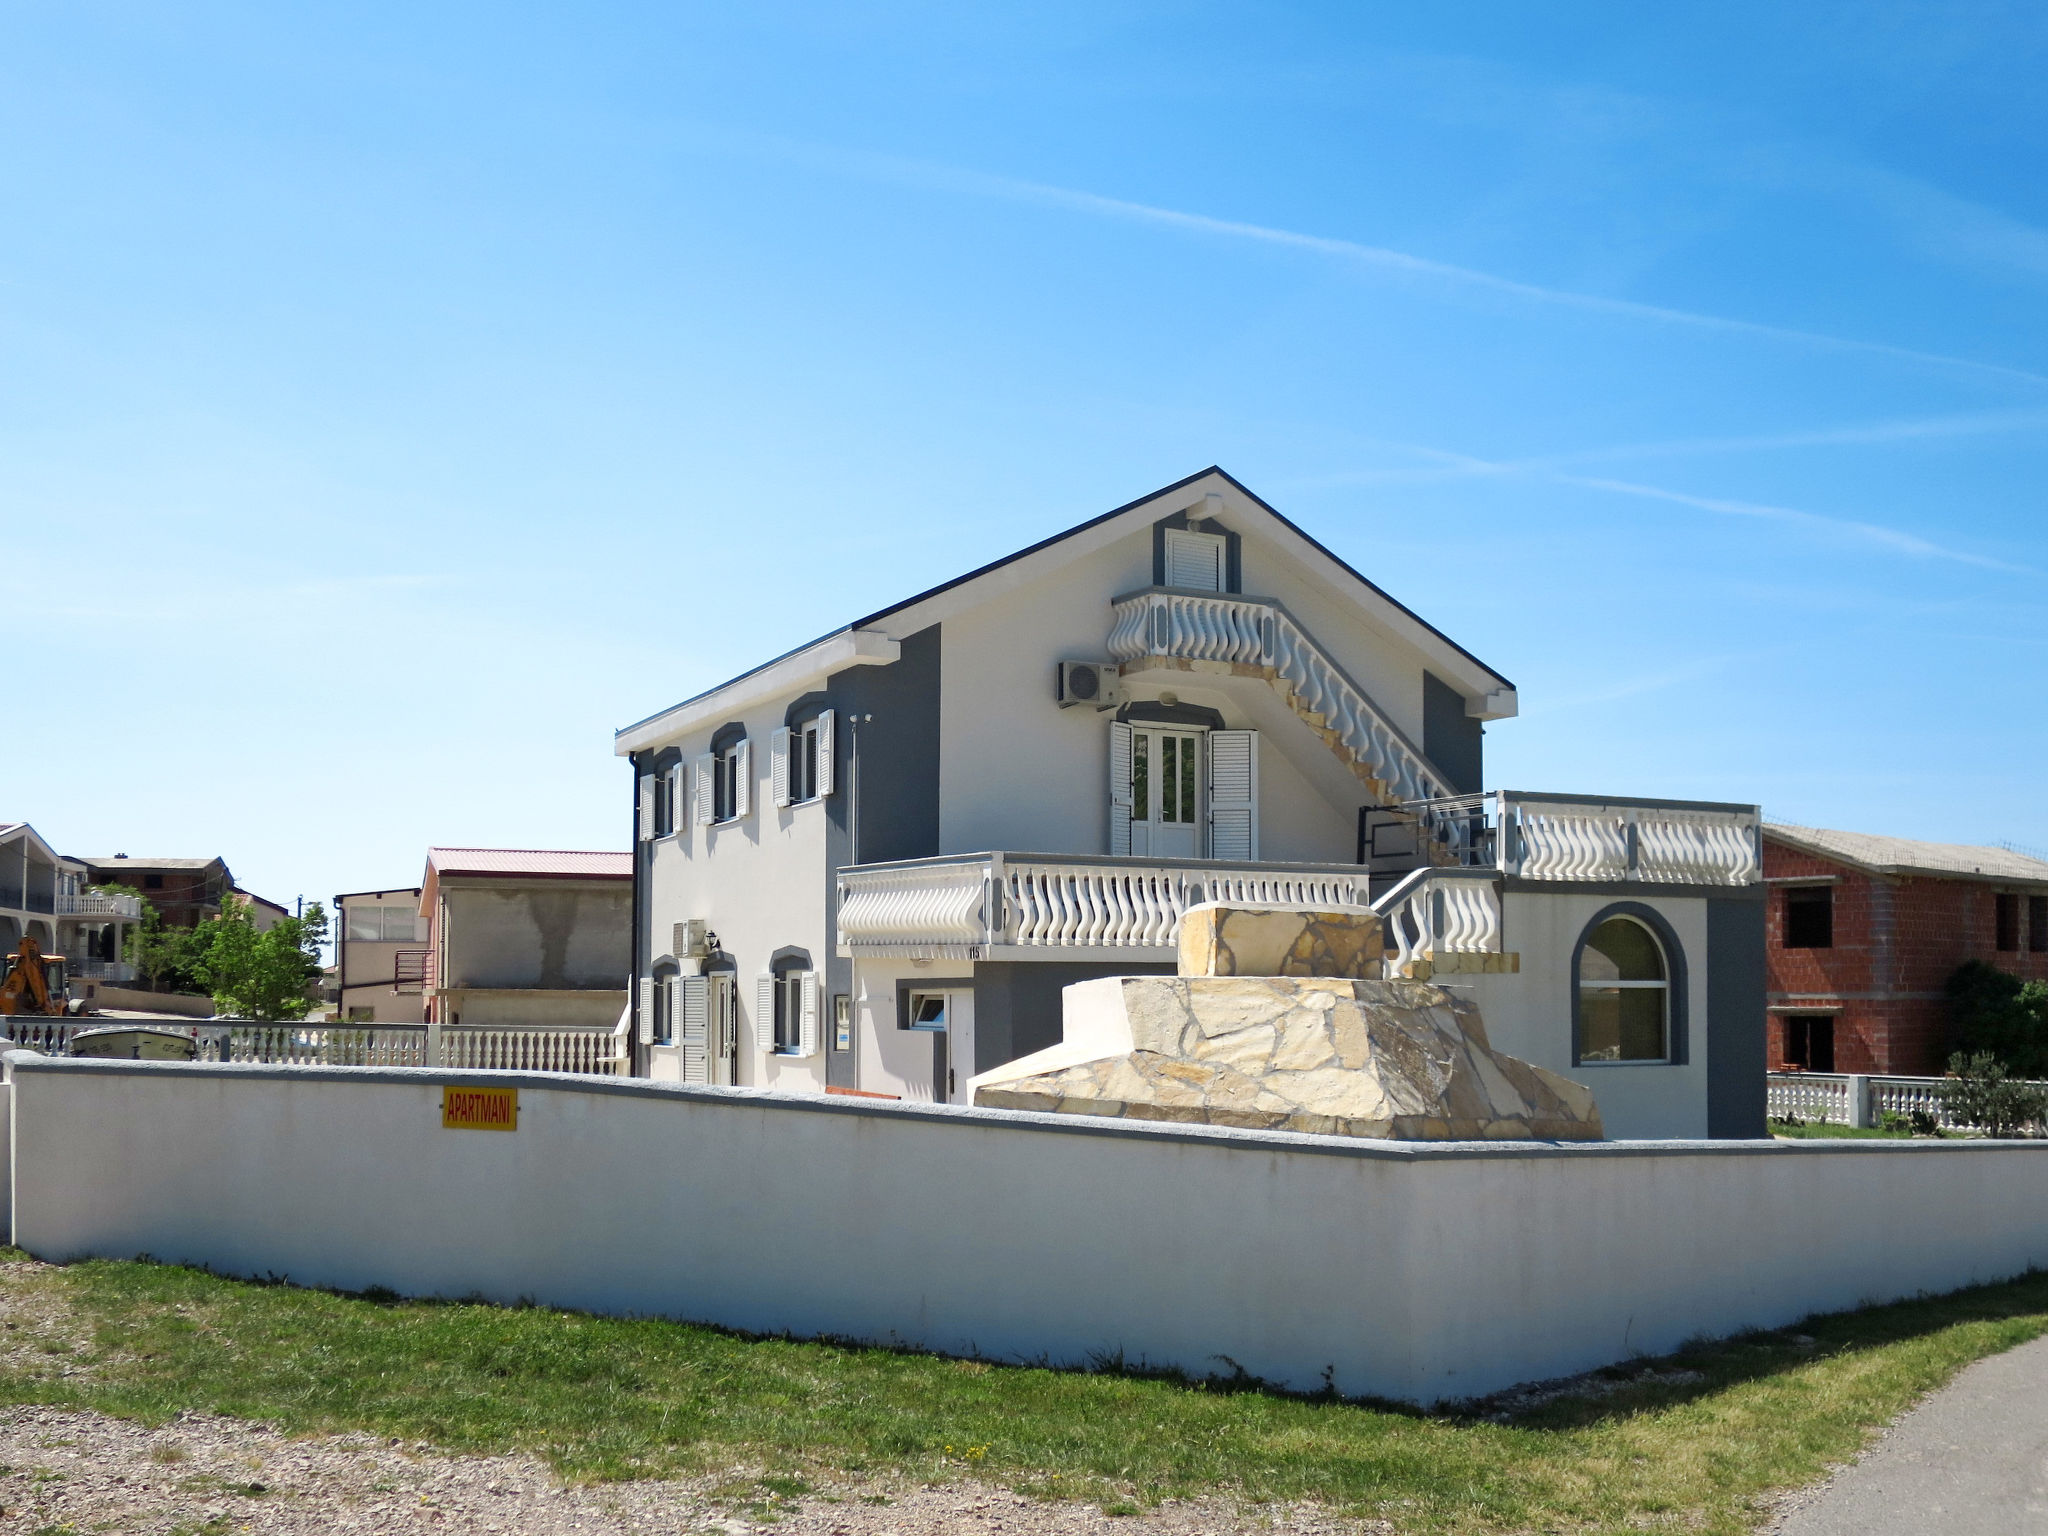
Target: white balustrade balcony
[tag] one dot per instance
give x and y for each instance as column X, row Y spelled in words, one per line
column 1590, row 837
column 98, row 904
column 1029, row 906
column 1260, row 635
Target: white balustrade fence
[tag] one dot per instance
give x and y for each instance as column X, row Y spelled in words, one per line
column 41, row 1033
column 1563, row 837
column 599, row 1051
column 1443, row 911
column 97, row 904
column 1831, row 1098
column 962, row 908
column 1260, row 633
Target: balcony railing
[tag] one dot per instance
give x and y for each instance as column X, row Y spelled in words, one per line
column 1259, row 633
column 98, row 904
column 1581, row 837
column 99, row 970
column 1024, row 906
column 1829, row 1098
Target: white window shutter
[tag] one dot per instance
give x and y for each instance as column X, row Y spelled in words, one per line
column 646, row 828
column 693, row 1030
column 646, row 1010
column 807, row 1039
column 706, row 778
column 1233, row 794
column 764, row 1012
column 826, row 720
column 678, row 800
column 1119, row 788
column 743, row 779
column 778, row 764
column 1194, row 560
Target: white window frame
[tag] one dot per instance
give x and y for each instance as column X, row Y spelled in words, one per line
column 732, row 782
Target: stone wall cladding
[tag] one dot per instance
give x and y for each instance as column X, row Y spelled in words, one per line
column 1217, row 939
column 1327, row 1056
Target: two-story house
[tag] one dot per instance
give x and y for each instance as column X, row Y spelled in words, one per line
column 872, row 864
column 1865, row 932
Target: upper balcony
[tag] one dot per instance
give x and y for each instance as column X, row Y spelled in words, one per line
column 1593, row 837
column 98, row 904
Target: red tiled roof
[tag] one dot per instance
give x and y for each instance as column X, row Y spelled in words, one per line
column 531, row 861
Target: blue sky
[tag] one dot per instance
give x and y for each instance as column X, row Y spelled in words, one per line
column 396, row 400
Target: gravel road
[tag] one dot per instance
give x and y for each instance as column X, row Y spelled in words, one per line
column 64, row 1471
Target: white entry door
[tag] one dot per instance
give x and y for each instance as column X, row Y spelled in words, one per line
column 1166, row 780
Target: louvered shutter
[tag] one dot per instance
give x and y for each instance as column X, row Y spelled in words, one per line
column 678, row 798
column 706, row 782
column 647, row 1010
column 764, row 1012
column 1233, row 794
column 694, row 1030
column 1119, row 788
column 1194, row 560
column 826, row 720
column 646, row 828
column 742, row 779
column 807, row 1037
column 778, row 764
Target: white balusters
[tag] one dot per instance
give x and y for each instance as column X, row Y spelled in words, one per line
column 1248, row 630
column 1442, row 912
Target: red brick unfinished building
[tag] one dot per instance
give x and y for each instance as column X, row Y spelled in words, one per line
column 1863, row 932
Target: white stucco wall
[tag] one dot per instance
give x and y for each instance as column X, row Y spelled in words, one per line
column 760, row 881
column 1418, row 1273
column 1529, row 1014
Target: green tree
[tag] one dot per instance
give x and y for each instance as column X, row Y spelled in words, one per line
column 165, row 958
column 269, row 975
column 1993, row 1013
column 1980, row 1092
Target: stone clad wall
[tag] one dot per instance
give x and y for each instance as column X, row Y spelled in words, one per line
column 1410, row 1272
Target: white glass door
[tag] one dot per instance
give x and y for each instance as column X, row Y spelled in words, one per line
column 1166, row 779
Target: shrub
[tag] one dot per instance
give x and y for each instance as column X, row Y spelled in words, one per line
column 1991, row 1012
column 1982, row 1093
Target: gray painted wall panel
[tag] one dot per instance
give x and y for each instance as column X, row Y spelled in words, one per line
column 1736, row 1051
column 1452, row 739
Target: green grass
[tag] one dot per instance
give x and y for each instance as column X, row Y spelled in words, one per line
column 1816, row 1131
column 611, row 1398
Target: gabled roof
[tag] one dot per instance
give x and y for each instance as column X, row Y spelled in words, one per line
column 114, row 861
column 1904, row 856
column 874, row 637
column 9, row 830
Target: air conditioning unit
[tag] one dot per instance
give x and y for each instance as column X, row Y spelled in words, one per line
column 692, row 939
column 1095, row 683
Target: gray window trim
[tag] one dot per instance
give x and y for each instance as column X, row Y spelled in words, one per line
column 1676, row 1042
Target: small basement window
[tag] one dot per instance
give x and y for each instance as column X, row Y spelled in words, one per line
column 1810, row 917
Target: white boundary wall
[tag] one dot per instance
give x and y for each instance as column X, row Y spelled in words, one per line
column 1407, row 1271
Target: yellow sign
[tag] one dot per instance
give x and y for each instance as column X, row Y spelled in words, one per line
column 480, row 1109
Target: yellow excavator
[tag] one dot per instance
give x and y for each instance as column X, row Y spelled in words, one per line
column 34, row 983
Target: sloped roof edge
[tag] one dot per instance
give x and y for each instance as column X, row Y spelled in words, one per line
column 881, row 614
column 1882, row 855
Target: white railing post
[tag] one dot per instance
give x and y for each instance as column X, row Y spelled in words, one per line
column 434, row 1052
column 1859, row 1101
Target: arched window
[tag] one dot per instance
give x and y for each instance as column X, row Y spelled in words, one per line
column 1624, row 983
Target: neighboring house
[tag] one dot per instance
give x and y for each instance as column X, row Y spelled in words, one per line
column 521, row 937
column 184, row 892
column 47, row 897
column 872, row 863
column 1865, row 932
column 380, row 967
